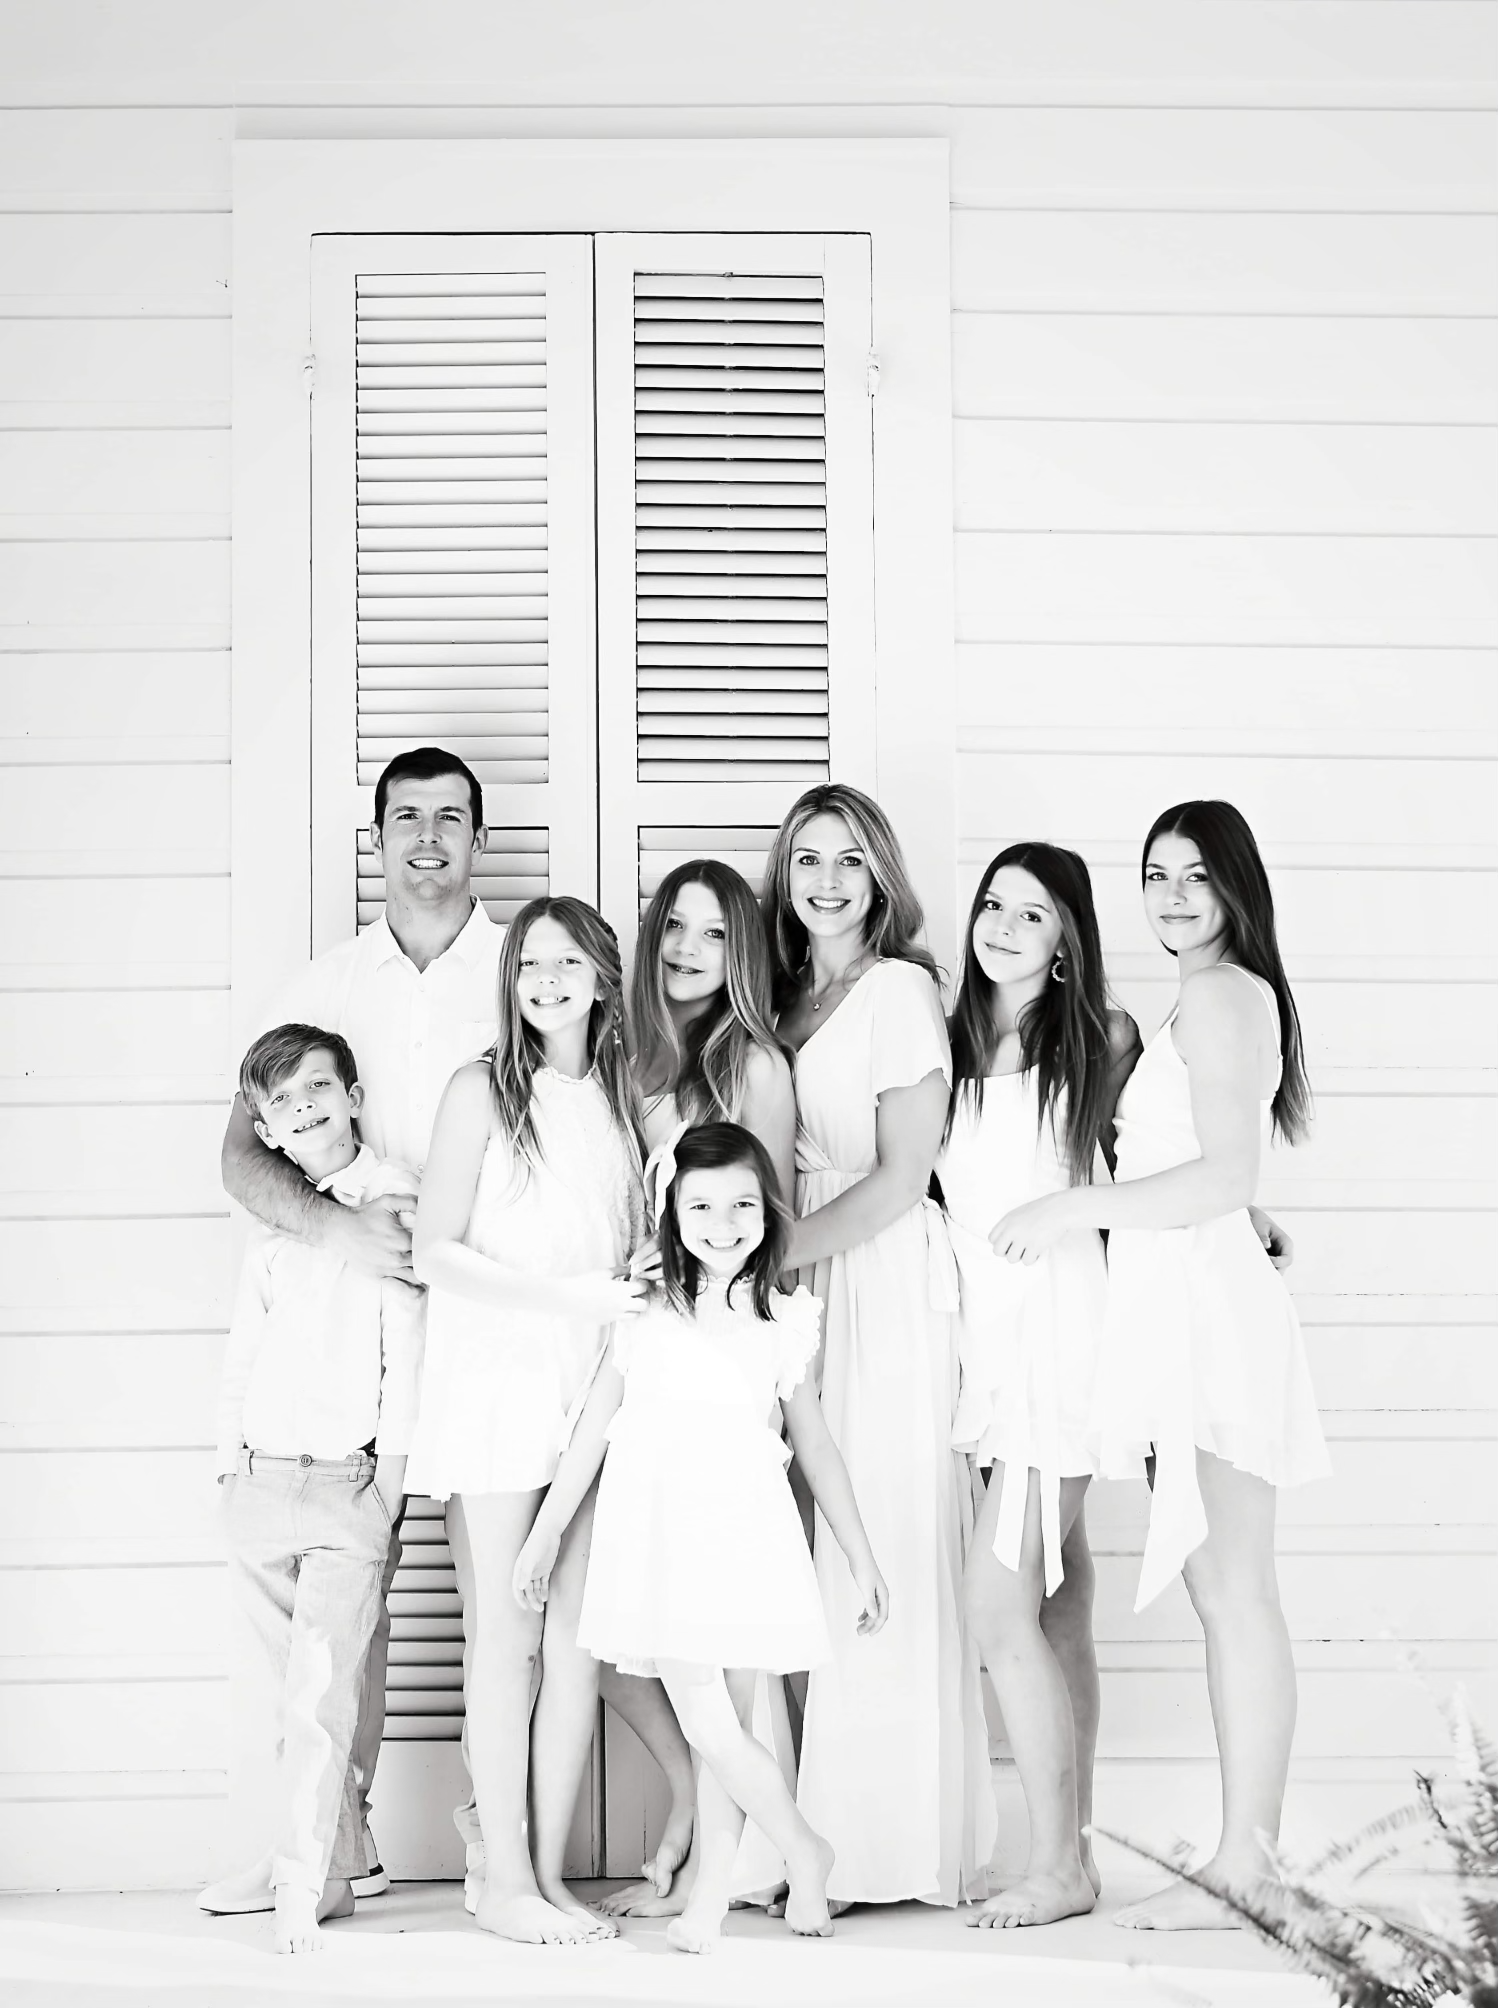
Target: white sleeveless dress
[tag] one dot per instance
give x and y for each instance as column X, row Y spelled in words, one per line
column 1028, row 1334
column 698, row 1552
column 1201, row 1344
column 498, row 1385
column 894, row 1754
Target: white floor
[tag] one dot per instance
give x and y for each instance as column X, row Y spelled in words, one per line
column 156, row 1950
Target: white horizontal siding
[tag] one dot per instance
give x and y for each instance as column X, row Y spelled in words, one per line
column 1224, row 355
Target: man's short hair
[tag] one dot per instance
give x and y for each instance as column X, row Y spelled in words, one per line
column 279, row 1052
column 427, row 763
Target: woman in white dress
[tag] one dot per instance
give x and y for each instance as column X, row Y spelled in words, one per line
column 894, row 1757
column 1038, row 1058
column 1203, row 1368
column 703, row 1049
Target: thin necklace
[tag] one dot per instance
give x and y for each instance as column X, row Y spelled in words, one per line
column 846, row 979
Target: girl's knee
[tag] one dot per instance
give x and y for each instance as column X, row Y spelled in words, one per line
column 996, row 1599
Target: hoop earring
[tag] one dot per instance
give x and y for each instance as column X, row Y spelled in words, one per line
column 1058, row 970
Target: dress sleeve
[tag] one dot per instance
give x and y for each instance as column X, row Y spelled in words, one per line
column 798, row 1323
column 909, row 1036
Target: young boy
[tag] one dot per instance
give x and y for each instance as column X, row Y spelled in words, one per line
column 320, row 1389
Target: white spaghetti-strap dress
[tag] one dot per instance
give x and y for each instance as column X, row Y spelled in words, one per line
column 1028, row 1334
column 498, row 1386
column 1201, row 1344
column 894, row 1755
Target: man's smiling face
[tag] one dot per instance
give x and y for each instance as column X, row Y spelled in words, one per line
column 427, row 841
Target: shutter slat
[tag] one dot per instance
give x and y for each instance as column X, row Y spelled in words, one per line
column 740, row 566
column 685, row 676
column 445, row 514
column 449, row 559
column 375, row 287
column 734, row 766
column 726, row 286
column 678, row 537
column 380, row 377
column 694, row 351
column 429, row 633
column 661, row 709
column 456, row 667
column 730, row 655
column 521, row 422
column 735, row 376
column 733, row 585
column 742, row 405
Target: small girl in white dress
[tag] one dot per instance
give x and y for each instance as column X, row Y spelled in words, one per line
column 699, row 1571
column 530, row 1209
column 1202, row 1374
column 1037, row 1061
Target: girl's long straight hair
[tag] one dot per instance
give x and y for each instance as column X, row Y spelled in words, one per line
column 1063, row 1031
column 894, row 925
column 1227, row 848
column 712, row 1146
column 708, row 1069
column 519, row 1051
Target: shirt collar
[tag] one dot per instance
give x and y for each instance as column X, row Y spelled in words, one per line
column 352, row 1183
column 469, row 946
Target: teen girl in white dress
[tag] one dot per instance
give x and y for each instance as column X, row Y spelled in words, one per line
column 1202, row 1360
column 703, row 1049
column 699, row 1569
column 1037, row 1059
column 530, row 1207
column 894, row 1757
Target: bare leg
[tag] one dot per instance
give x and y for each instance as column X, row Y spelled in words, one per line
column 752, row 1779
column 1066, row 1620
column 1002, row 1607
column 562, row 1726
column 300, row 1911
column 504, row 1641
column 1251, row 1681
column 643, row 1705
column 720, row 1826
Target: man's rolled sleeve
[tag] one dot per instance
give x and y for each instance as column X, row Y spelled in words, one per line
column 403, row 1323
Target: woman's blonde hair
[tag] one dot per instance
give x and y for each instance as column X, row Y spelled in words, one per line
column 518, row 1051
column 707, row 1069
column 894, row 924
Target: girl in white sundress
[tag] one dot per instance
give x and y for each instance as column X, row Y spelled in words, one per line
column 1202, row 1361
column 894, row 1753
column 1037, row 1061
column 699, row 1569
column 531, row 1206
column 702, row 1049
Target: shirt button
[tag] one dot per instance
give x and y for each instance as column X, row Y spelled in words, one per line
column 304, row 1459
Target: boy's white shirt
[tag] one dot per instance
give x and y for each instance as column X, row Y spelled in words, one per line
column 322, row 1356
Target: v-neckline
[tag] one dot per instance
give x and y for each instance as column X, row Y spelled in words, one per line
column 817, row 1030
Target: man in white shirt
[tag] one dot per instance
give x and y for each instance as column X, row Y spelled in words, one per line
column 414, row 995
column 319, row 1396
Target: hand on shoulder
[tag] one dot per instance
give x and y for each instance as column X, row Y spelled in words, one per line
column 1124, row 1042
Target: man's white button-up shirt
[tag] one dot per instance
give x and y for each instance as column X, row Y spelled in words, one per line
column 410, row 1029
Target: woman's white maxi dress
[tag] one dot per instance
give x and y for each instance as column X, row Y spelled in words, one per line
column 894, row 1755
column 1201, row 1345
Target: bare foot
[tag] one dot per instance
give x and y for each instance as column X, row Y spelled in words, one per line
column 1038, row 1899
column 700, row 1926
column 296, row 1918
column 588, row 1921
column 527, row 1917
column 240, row 1894
column 639, row 1899
column 806, row 1911
column 1089, row 1862
column 1181, row 1906
column 675, row 1845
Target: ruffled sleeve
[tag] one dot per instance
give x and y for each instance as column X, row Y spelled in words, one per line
column 798, row 1328
column 908, row 1038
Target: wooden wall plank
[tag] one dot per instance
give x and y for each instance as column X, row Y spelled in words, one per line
column 133, row 702
column 177, row 264
column 122, row 473
column 132, row 1388
column 57, row 1035
column 137, row 157
column 1320, row 591
column 47, row 924
column 156, row 1611
column 1212, row 366
column 135, row 1275
column 1352, row 802
column 117, row 585
column 168, row 1726
column 145, row 1842
column 1228, row 691
column 1370, row 1254
column 1287, row 479
column 1224, row 158
column 86, row 1159
column 127, row 361
column 154, row 804
column 1100, row 261
column 1404, row 1366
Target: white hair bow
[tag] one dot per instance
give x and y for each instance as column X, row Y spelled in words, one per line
column 660, row 1169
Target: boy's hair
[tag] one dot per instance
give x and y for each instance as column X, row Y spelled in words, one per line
column 276, row 1053
column 712, row 1147
column 427, row 763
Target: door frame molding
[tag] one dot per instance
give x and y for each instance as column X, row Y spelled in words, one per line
column 286, row 191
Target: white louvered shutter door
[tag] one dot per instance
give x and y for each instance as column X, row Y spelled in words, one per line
column 735, row 543
column 453, row 552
